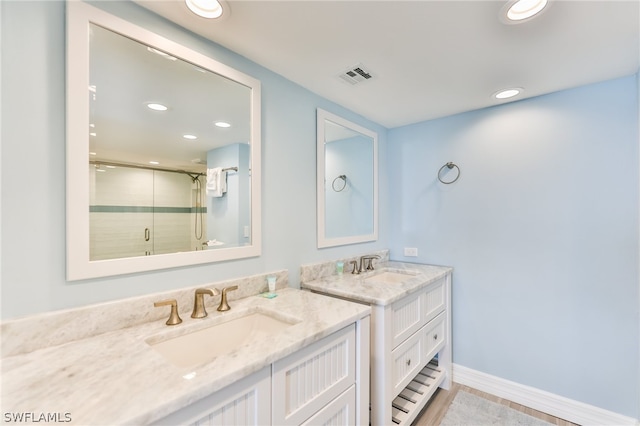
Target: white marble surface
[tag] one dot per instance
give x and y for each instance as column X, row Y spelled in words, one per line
column 117, row 378
column 313, row 271
column 34, row 332
column 356, row 287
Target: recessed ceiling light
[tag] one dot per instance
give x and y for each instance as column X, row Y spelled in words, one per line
column 108, row 166
column 155, row 163
column 210, row 9
column 222, row 124
column 190, row 137
column 92, row 153
column 507, row 93
column 156, row 107
column 521, row 10
column 93, row 134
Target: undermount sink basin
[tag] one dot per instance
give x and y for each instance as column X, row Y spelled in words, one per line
column 393, row 277
column 203, row 345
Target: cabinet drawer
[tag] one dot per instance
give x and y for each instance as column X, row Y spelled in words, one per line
column 433, row 337
column 340, row 412
column 309, row 379
column 406, row 361
column 408, row 315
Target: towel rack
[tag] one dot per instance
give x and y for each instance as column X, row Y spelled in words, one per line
column 344, row 183
column 450, row 166
column 226, row 169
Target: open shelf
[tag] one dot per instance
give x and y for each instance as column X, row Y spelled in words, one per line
column 413, row 398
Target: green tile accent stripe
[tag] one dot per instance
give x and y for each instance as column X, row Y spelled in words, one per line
column 145, row 209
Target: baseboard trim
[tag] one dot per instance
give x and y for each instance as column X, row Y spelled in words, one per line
column 556, row 405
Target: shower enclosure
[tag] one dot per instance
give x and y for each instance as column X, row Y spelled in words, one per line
column 140, row 211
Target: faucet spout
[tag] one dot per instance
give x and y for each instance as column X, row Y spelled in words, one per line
column 199, row 310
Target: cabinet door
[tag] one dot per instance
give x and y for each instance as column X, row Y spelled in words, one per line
column 433, row 336
column 407, row 360
column 407, row 316
column 306, row 381
column 435, row 299
column 340, row 412
column 246, row 402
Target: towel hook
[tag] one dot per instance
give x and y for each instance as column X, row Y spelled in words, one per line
column 344, row 183
column 450, row 166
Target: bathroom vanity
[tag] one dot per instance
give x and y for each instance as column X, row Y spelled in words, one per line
column 305, row 361
column 308, row 387
column 410, row 333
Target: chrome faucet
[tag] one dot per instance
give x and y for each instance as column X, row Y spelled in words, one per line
column 224, row 306
column 199, row 310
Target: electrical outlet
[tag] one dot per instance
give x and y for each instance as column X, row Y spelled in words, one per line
column 410, row 252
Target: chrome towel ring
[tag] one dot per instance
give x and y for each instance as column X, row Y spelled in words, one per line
column 450, row 166
column 344, row 183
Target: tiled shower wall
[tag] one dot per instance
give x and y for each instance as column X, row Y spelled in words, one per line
column 129, row 205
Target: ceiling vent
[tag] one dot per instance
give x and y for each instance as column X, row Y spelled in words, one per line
column 356, row 74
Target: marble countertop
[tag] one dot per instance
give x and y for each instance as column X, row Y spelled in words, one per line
column 117, row 378
column 356, row 287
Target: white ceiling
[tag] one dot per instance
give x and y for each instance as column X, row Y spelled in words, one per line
column 429, row 59
column 125, row 75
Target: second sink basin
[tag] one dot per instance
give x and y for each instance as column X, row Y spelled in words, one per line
column 203, row 345
column 391, row 276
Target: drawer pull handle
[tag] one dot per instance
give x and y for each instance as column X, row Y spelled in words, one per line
column 435, row 336
column 409, row 362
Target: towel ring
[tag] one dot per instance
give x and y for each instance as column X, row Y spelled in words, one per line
column 344, row 183
column 450, row 166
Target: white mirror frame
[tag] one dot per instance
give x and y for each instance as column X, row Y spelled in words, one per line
column 323, row 241
column 79, row 266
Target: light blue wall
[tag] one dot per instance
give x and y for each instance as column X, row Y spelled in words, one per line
column 542, row 230
column 226, row 215
column 348, row 212
column 33, row 168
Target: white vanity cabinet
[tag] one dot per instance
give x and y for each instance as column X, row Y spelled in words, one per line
column 406, row 337
column 319, row 384
column 246, row 402
column 312, row 378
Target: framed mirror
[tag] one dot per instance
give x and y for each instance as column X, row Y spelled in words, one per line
column 163, row 152
column 347, row 181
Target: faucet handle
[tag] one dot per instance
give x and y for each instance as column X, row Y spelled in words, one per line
column 224, row 305
column 370, row 259
column 355, row 267
column 199, row 310
column 174, row 318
